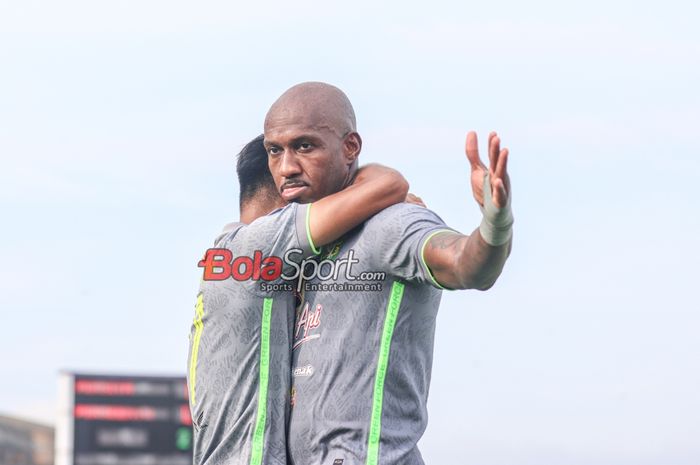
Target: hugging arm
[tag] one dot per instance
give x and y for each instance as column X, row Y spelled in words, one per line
column 375, row 187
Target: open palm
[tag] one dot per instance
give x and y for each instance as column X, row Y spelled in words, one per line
column 497, row 170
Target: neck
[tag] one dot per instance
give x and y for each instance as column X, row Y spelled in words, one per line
column 250, row 213
column 350, row 178
column 252, row 210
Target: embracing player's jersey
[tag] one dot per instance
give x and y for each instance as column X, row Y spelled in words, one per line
column 363, row 346
column 239, row 355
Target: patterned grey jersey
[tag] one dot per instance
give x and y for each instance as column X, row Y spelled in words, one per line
column 362, row 359
column 240, row 349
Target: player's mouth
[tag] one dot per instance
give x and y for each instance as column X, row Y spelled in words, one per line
column 290, row 190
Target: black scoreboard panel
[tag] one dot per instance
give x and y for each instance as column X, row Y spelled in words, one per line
column 131, row 420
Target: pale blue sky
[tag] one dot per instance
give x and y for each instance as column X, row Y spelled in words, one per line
column 118, row 126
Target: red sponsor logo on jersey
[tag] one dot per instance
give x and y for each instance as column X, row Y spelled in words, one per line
column 219, row 264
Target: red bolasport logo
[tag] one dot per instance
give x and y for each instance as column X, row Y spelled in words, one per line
column 220, row 264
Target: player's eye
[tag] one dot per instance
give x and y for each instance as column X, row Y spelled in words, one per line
column 305, row 146
column 273, row 150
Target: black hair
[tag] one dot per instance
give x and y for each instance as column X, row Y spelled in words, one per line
column 254, row 175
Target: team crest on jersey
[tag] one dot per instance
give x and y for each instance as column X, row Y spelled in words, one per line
column 306, row 322
column 332, row 251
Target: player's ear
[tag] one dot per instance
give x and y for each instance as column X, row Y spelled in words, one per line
column 352, row 145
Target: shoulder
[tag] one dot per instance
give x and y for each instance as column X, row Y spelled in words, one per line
column 403, row 225
column 230, row 227
column 288, row 211
column 228, row 232
column 401, row 214
column 281, row 218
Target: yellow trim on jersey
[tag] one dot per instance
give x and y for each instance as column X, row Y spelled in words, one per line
column 199, row 326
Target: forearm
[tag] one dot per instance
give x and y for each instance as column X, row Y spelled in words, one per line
column 457, row 261
column 483, row 254
column 333, row 216
column 478, row 265
column 476, row 261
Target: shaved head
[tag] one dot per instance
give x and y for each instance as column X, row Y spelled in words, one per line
column 314, row 104
column 311, row 142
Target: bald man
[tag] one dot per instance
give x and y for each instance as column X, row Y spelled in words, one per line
column 240, row 340
column 363, row 340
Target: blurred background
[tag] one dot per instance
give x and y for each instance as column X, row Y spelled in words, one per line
column 119, row 122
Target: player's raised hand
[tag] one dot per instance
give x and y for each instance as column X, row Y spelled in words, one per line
column 458, row 261
column 497, row 170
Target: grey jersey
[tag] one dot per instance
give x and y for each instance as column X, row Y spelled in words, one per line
column 362, row 358
column 240, row 349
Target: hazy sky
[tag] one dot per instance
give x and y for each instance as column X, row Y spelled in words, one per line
column 118, row 126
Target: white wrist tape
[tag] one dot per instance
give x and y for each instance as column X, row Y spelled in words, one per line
column 497, row 223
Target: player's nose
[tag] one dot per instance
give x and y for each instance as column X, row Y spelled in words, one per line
column 289, row 165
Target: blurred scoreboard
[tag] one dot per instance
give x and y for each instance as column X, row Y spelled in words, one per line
column 123, row 420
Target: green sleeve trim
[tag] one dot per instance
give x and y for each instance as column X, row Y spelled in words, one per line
column 263, row 378
column 375, row 427
column 308, row 231
column 422, row 257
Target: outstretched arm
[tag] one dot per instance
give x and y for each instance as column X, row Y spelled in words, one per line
column 375, row 187
column 458, row 261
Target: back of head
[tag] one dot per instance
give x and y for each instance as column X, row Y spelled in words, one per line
column 256, row 183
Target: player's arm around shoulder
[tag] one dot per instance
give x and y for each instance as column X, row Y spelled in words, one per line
column 375, row 188
column 458, row 261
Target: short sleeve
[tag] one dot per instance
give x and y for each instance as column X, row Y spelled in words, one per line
column 399, row 235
